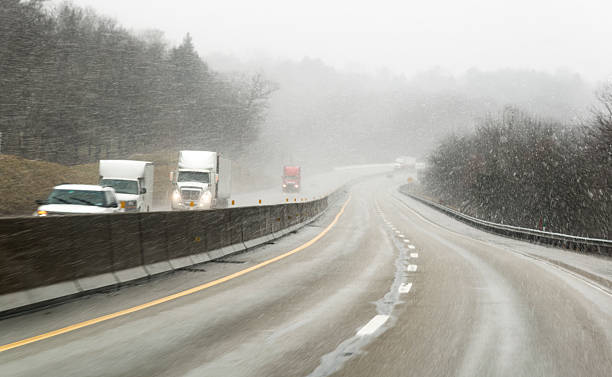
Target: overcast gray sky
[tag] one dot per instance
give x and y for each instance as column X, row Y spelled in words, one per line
column 403, row 36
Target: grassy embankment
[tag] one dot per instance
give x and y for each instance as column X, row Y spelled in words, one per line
column 23, row 181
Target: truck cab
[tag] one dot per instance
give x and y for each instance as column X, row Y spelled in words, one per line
column 202, row 180
column 291, row 179
column 192, row 189
column 132, row 182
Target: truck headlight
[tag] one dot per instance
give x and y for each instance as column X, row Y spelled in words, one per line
column 206, row 198
column 176, row 196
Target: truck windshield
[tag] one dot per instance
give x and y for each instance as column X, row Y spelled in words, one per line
column 121, row 186
column 82, row 197
column 193, row 176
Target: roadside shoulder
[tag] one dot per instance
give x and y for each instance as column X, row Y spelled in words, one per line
column 596, row 268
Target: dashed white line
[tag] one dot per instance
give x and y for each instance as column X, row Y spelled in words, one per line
column 497, row 245
column 406, row 240
column 411, row 268
column 400, row 235
column 414, row 255
column 411, row 246
column 371, row 327
column 405, row 288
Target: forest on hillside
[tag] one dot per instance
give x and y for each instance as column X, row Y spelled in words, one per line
column 521, row 170
column 77, row 87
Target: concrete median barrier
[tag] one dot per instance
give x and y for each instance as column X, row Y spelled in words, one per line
column 43, row 260
column 124, row 241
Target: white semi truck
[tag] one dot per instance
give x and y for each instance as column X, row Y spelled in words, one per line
column 132, row 181
column 202, row 180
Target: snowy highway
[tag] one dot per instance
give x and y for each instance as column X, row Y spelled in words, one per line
column 380, row 285
column 315, row 185
column 453, row 161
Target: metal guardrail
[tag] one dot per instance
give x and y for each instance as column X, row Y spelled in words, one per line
column 566, row 241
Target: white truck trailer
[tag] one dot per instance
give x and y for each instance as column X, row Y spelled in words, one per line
column 202, row 180
column 132, row 181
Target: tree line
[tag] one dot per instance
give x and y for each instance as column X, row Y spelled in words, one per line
column 519, row 170
column 77, row 87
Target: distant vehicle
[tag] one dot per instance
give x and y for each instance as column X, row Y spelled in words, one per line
column 202, row 180
column 132, row 181
column 292, row 180
column 69, row 199
column 421, row 167
column 404, row 162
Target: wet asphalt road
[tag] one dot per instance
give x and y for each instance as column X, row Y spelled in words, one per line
column 469, row 306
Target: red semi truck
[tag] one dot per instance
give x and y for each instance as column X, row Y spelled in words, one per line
column 291, row 179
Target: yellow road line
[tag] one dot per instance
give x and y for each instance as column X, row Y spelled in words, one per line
column 159, row 301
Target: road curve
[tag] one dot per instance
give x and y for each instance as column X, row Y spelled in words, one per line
column 390, row 290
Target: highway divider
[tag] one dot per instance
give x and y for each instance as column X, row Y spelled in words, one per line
column 45, row 260
column 566, row 241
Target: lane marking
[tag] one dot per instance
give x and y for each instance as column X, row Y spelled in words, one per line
column 414, row 255
column 405, row 288
column 373, row 325
column 397, row 231
column 411, row 246
column 406, row 240
column 401, row 236
column 174, row 296
column 509, row 249
column 411, row 268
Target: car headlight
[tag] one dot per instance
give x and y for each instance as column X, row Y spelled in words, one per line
column 41, row 213
column 176, row 196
